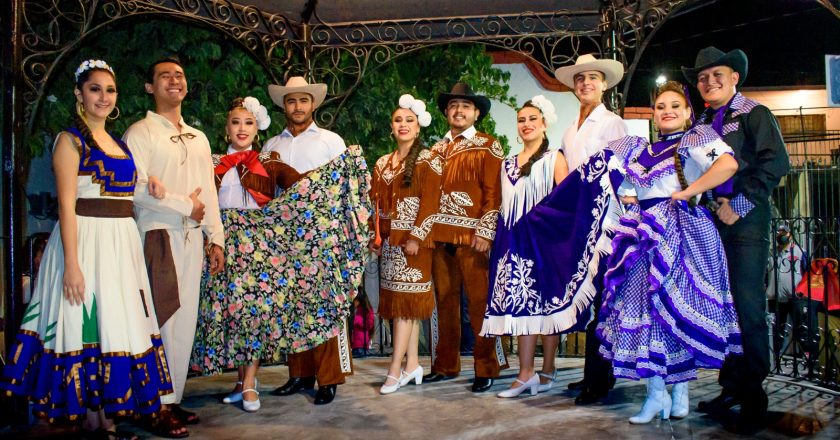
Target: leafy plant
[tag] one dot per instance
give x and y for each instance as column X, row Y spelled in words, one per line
column 219, row 69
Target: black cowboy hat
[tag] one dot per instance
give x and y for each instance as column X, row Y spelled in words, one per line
column 711, row 57
column 462, row 90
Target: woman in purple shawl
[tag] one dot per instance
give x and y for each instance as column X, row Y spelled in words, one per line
column 667, row 309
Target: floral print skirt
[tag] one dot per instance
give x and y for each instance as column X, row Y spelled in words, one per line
column 291, row 272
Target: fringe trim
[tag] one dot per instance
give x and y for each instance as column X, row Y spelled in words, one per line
column 394, row 305
column 518, row 198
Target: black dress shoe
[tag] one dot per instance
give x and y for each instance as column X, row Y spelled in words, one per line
column 579, row 385
column 294, row 385
column 719, row 404
column 325, row 394
column 482, row 384
column 589, row 396
column 436, row 377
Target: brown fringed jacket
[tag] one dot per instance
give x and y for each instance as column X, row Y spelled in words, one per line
column 407, row 212
column 259, row 173
column 470, row 189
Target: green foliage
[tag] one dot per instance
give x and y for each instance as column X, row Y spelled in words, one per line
column 218, row 70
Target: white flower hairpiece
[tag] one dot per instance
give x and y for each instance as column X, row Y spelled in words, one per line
column 546, row 107
column 253, row 105
column 424, row 118
column 92, row 64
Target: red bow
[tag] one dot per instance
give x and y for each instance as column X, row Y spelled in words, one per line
column 250, row 159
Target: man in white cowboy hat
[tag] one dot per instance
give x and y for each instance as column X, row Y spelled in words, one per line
column 595, row 126
column 742, row 208
column 305, row 146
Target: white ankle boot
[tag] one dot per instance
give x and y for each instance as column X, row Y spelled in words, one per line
column 679, row 400
column 658, row 402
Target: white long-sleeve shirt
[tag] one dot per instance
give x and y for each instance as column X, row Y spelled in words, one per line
column 600, row 127
column 181, row 160
column 310, row 149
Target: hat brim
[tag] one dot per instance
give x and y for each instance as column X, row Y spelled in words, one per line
column 318, row 92
column 482, row 103
column 734, row 59
column 613, row 72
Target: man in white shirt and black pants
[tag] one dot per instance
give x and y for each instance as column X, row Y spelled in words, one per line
column 305, row 146
column 589, row 78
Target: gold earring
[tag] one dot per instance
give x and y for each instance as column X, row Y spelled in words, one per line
column 80, row 109
column 227, row 139
column 115, row 117
column 257, row 138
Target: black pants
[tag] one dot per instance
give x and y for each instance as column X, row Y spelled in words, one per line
column 747, row 247
column 597, row 371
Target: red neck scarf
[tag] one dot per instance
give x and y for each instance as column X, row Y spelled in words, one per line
column 250, row 159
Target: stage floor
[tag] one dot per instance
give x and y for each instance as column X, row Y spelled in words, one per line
column 448, row 410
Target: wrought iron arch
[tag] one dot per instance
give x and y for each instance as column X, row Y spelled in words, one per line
column 45, row 48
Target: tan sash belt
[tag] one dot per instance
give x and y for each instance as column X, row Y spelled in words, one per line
column 162, row 277
column 105, row 208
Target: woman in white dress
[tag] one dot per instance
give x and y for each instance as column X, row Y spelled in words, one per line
column 89, row 347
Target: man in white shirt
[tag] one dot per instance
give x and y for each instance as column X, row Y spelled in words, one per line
column 174, row 228
column 305, row 146
column 589, row 78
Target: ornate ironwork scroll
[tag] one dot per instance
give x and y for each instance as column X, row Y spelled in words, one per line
column 54, row 28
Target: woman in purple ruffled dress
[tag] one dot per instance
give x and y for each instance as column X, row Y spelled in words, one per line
column 667, row 309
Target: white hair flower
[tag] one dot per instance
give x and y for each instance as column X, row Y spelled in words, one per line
column 260, row 112
column 92, row 64
column 546, row 107
column 424, row 118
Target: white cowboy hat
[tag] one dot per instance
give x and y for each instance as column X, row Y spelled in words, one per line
column 297, row 84
column 613, row 70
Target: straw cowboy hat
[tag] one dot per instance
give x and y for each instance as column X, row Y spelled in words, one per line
column 462, row 90
column 297, row 84
column 613, row 70
column 711, row 57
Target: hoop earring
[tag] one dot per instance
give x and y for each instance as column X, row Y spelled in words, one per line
column 111, row 118
column 518, row 140
column 257, row 138
column 80, row 109
column 227, row 139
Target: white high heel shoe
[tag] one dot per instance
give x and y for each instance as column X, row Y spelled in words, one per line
column 417, row 375
column 533, row 383
column 234, row 396
column 658, row 402
column 547, row 386
column 679, row 400
column 388, row 389
column 251, row 406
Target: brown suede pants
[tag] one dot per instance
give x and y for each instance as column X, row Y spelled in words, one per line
column 323, row 362
column 469, row 269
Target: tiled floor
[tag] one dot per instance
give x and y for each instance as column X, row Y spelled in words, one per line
column 449, row 410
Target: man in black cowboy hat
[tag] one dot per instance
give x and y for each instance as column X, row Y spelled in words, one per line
column 743, row 219
column 464, row 229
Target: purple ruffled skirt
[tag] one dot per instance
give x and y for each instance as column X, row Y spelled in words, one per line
column 667, row 309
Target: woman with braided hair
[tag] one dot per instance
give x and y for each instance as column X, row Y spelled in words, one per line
column 527, row 178
column 667, row 308
column 405, row 192
column 89, row 347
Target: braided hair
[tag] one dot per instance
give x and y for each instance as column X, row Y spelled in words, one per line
column 79, row 120
column 525, row 169
column 411, row 161
column 676, row 87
